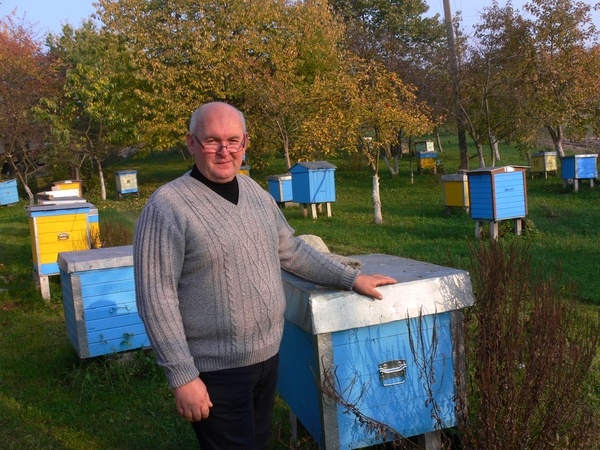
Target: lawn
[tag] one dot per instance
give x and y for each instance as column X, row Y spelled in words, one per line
column 51, row 399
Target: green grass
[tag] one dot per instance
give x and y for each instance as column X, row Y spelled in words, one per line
column 51, row 399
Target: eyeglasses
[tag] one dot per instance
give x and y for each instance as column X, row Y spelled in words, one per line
column 215, row 146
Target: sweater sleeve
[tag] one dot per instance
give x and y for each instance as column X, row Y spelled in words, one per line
column 300, row 259
column 158, row 251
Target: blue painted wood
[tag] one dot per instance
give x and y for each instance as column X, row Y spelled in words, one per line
column 402, row 406
column 579, row 166
column 9, row 193
column 495, row 194
column 280, row 187
column 313, row 182
column 100, row 308
column 121, row 344
column 357, row 354
column 426, row 155
column 296, row 382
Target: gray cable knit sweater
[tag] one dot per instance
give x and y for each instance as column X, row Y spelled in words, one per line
column 208, row 276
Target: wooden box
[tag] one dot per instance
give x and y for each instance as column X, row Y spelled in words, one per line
column 424, row 146
column 8, row 192
column 542, row 162
column 426, row 160
column 456, row 190
column 126, row 181
column 68, row 185
column 579, row 167
column 313, row 182
column 244, row 170
column 363, row 346
column 57, row 228
column 280, row 187
column 497, row 193
column 99, row 301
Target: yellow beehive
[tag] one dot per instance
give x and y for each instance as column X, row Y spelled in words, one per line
column 68, row 184
column 53, row 229
column 244, row 170
column 543, row 162
column 456, row 190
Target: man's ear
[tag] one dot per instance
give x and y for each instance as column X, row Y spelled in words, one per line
column 189, row 142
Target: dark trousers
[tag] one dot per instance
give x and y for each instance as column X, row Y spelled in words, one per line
column 243, row 400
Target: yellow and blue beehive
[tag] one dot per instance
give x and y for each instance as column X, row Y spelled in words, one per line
column 57, row 228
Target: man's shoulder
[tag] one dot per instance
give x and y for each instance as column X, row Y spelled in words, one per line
column 170, row 191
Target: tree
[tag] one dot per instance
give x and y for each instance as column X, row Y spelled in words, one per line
column 395, row 34
column 488, row 99
column 381, row 107
column 95, row 114
column 26, row 76
column 292, row 79
column 183, row 54
column 560, row 77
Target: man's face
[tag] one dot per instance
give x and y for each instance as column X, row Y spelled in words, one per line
column 219, row 124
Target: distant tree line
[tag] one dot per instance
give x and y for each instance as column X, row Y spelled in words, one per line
column 314, row 78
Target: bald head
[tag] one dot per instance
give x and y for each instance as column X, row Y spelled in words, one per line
column 213, row 108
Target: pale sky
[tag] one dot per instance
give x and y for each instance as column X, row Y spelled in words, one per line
column 49, row 15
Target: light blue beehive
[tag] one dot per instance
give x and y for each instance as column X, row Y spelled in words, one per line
column 365, row 343
column 579, row 166
column 126, row 181
column 313, row 182
column 99, row 301
column 497, row 193
column 280, row 187
column 8, row 192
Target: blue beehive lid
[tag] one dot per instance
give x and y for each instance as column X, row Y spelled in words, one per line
column 314, row 165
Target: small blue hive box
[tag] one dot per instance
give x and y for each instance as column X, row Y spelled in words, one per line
column 280, row 187
column 312, row 183
column 126, row 182
column 363, row 346
column 99, row 301
column 8, row 192
column 578, row 167
column 495, row 194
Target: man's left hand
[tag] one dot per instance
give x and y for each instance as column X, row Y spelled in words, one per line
column 366, row 284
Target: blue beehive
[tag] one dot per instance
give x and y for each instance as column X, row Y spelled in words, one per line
column 313, row 182
column 126, row 181
column 497, row 193
column 578, row 167
column 363, row 347
column 280, row 187
column 8, row 192
column 99, row 301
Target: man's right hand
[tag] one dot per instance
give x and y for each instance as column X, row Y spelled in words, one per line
column 192, row 400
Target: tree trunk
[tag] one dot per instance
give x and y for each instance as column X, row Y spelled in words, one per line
column 377, row 200
column 101, row 176
column 480, row 153
column 386, row 155
column 557, row 136
column 18, row 173
column 438, row 139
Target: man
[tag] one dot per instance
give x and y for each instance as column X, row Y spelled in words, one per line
column 208, row 252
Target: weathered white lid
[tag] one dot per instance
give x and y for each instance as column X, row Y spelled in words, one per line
column 96, row 259
column 422, row 288
column 455, row 177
